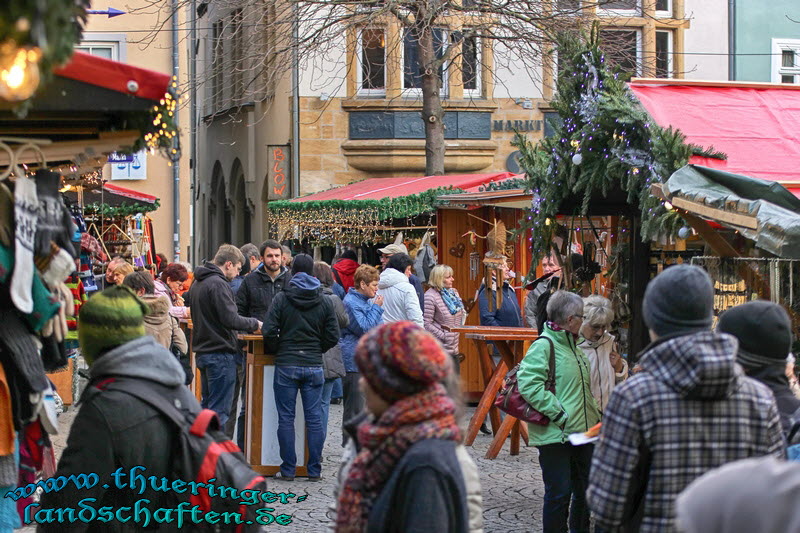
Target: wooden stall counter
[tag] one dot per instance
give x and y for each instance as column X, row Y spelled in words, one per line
column 511, row 343
column 261, row 416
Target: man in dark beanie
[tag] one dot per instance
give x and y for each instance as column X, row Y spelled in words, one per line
column 300, row 327
column 764, row 331
column 689, row 410
column 113, row 429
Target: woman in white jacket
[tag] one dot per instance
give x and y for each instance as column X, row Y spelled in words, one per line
column 606, row 366
column 400, row 300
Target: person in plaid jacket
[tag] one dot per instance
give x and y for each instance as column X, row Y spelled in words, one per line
column 690, row 409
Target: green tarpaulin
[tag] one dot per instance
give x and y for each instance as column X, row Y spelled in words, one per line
column 776, row 210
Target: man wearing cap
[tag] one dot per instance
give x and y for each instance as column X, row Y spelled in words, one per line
column 690, row 409
column 114, row 430
column 764, row 331
column 386, row 254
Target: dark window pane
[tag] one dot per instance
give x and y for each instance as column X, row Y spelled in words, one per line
column 412, row 71
column 787, row 79
column 787, row 58
column 569, row 5
column 373, row 62
column 662, row 55
column 469, row 63
column 621, row 50
column 619, row 4
column 662, row 5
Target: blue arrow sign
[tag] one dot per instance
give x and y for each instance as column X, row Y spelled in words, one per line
column 111, row 12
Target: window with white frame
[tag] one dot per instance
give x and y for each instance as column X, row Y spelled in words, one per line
column 621, row 7
column 372, row 62
column 786, row 61
column 471, row 66
column 663, row 8
column 107, row 45
column 412, row 70
column 622, row 49
column 664, row 54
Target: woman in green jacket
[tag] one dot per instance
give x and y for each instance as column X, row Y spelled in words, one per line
column 572, row 409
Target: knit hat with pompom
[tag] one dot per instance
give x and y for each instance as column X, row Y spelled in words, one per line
column 400, row 359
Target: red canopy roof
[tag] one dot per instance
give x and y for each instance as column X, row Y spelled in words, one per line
column 756, row 125
column 115, row 76
column 130, row 193
column 377, row 188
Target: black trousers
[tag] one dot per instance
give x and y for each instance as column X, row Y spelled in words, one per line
column 353, row 399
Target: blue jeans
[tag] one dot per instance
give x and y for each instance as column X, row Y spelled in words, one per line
column 565, row 472
column 308, row 380
column 218, row 376
column 327, row 394
column 337, row 391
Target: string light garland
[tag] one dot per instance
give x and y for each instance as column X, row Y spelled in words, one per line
column 159, row 128
column 329, row 222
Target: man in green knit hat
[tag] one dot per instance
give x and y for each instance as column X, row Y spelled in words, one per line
column 114, row 430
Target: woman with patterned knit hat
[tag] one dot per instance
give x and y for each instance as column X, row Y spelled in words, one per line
column 406, row 476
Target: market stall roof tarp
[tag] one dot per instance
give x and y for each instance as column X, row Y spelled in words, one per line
column 114, row 75
column 378, row 188
column 756, row 125
column 763, row 211
column 367, row 211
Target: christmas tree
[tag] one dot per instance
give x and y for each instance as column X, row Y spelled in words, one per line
column 605, row 141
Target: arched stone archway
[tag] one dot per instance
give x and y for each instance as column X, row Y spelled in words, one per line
column 241, row 215
column 219, row 220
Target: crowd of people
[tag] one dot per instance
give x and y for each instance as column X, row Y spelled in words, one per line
column 698, row 398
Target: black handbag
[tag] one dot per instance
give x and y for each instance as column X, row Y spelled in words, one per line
column 333, row 364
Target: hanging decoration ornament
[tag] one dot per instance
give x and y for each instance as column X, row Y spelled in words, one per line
column 604, row 141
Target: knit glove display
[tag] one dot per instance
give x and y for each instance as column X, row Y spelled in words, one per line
column 26, row 209
column 57, row 326
column 54, row 222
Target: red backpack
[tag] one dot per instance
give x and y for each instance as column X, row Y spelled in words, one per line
column 202, row 452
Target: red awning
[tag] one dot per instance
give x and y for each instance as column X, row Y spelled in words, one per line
column 115, row 76
column 377, row 188
column 756, row 125
column 129, row 193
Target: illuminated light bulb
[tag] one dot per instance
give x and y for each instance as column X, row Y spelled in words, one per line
column 19, row 71
column 668, row 206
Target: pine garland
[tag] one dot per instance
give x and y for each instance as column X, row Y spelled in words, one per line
column 358, row 221
column 606, row 141
column 123, row 210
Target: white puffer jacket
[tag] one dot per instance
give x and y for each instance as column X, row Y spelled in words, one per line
column 604, row 377
column 400, row 301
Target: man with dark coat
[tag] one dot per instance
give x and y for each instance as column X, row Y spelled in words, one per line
column 764, row 331
column 255, row 295
column 114, row 431
column 689, row 410
column 301, row 326
column 215, row 324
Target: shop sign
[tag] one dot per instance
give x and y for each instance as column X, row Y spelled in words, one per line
column 278, row 173
column 128, row 167
column 516, row 125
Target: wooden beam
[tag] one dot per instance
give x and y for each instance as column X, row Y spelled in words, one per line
column 737, row 219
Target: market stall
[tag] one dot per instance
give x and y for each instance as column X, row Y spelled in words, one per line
column 89, row 108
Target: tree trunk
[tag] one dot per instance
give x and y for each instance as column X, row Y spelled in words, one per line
column 432, row 111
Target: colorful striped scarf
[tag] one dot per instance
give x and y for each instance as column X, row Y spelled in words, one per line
column 429, row 414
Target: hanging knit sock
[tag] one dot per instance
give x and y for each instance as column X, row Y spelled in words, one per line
column 25, row 214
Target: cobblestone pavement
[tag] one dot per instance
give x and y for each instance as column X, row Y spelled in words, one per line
column 512, row 486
